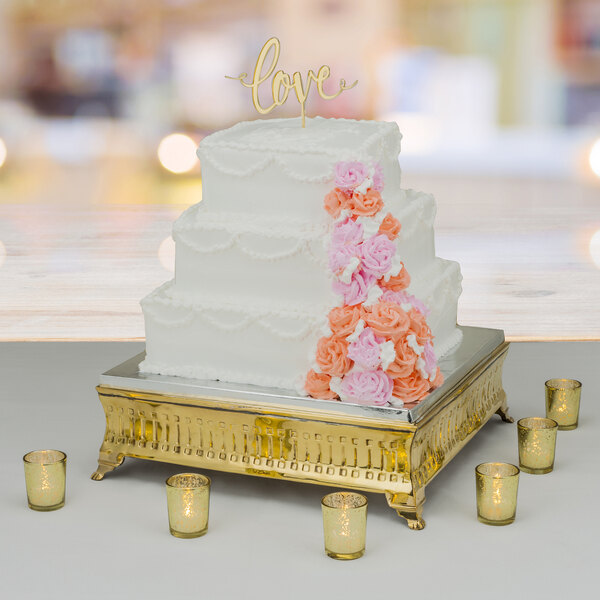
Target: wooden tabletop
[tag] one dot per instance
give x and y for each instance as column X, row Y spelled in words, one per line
column 80, row 246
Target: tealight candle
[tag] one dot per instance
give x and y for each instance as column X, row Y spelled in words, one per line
column 562, row 402
column 344, row 525
column 45, row 477
column 496, row 485
column 188, row 497
column 537, row 444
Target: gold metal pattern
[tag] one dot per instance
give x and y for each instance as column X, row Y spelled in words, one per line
column 301, row 444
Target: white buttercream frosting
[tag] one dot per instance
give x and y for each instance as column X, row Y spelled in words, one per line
column 360, row 327
column 373, row 295
column 412, row 342
column 252, row 287
column 387, row 354
column 353, row 264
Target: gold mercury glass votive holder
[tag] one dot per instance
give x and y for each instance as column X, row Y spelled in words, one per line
column 537, row 444
column 188, row 497
column 45, row 478
column 497, row 484
column 562, row 402
column 344, row 524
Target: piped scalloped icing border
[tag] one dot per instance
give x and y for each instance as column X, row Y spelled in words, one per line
column 258, row 144
column 379, row 347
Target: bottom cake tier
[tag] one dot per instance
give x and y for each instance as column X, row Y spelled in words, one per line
column 220, row 339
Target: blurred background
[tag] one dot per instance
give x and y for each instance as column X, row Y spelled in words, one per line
column 103, row 102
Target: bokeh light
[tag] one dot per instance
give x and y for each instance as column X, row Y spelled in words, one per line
column 177, row 153
column 3, row 152
column 595, row 248
column 166, row 254
column 595, row 158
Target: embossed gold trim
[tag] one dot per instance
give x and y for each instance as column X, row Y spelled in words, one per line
column 355, row 452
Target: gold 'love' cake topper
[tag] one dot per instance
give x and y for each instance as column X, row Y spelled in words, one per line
column 282, row 82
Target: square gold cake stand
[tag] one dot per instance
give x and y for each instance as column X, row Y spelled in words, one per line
column 277, row 434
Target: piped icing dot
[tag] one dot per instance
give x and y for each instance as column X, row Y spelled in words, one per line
column 387, row 354
column 360, row 327
column 373, row 296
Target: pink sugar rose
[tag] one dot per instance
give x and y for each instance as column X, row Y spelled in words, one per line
column 357, row 290
column 377, row 177
column 339, row 257
column 366, row 350
column 428, row 356
column 348, row 175
column 405, row 298
column 371, row 388
column 347, row 232
column 377, row 253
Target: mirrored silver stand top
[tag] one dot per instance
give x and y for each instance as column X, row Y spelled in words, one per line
column 477, row 344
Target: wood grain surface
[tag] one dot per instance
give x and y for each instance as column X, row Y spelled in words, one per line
column 80, row 246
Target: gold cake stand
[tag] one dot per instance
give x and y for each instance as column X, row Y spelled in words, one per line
column 277, row 434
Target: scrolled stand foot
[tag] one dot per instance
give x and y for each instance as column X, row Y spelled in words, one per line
column 413, row 523
column 106, row 467
column 413, row 513
column 503, row 412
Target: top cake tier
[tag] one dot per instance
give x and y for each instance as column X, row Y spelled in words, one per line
column 277, row 167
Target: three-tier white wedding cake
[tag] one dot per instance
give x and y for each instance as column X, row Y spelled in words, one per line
column 306, row 267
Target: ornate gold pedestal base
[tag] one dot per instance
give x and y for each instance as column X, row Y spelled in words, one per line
column 325, row 446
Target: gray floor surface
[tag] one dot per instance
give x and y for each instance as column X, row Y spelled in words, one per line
column 111, row 540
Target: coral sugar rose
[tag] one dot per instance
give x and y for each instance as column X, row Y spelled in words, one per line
column 365, row 205
column 317, row 386
column 335, row 202
column 438, row 380
column 411, row 388
column 398, row 282
column 419, row 326
column 332, row 356
column 390, row 226
column 406, row 358
column 343, row 320
column 388, row 320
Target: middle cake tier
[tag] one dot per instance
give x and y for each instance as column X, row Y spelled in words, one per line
column 283, row 260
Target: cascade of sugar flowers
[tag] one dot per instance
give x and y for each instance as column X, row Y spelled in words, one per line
column 377, row 348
